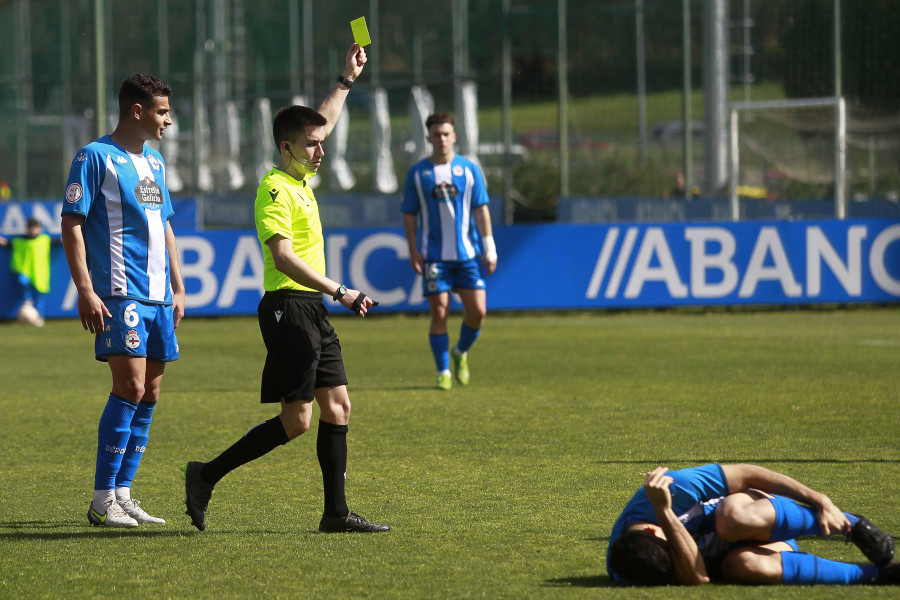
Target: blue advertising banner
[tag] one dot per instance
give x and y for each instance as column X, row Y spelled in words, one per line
column 563, row 266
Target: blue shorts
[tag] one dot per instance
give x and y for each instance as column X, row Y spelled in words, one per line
column 139, row 330
column 446, row 275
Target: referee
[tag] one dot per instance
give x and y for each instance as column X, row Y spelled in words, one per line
column 303, row 360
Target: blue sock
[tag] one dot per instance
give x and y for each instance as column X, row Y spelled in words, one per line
column 792, row 520
column 440, row 348
column 137, row 442
column 112, row 438
column 467, row 337
column 800, row 568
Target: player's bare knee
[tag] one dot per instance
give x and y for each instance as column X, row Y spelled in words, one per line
column 736, row 566
column 751, row 565
column 130, row 389
column 151, row 394
column 733, row 521
column 294, row 425
column 337, row 411
column 295, row 418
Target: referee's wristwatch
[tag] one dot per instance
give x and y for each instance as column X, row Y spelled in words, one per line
column 347, row 83
column 340, row 292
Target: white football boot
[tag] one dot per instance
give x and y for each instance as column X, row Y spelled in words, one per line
column 133, row 509
column 113, row 516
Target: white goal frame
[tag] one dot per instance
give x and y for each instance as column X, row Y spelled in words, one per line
column 840, row 146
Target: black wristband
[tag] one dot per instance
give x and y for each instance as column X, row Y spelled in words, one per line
column 344, row 81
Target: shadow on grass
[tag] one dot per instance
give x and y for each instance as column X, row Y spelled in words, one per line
column 585, row 582
column 43, row 530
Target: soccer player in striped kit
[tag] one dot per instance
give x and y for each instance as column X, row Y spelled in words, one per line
column 448, row 227
column 122, row 256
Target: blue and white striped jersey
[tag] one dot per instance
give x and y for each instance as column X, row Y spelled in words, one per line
column 126, row 206
column 443, row 197
column 695, row 493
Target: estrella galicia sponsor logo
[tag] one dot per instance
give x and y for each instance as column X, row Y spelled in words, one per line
column 74, row 193
column 148, row 193
column 445, row 191
column 115, row 449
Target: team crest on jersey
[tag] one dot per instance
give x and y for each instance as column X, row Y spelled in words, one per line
column 148, row 193
column 132, row 339
column 74, row 193
column 121, row 160
column 457, row 171
column 153, row 162
column 81, row 157
column 432, row 286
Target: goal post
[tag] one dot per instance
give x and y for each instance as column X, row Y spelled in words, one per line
column 840, row 145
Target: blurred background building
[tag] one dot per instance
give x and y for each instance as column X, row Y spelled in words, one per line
column 563, row 103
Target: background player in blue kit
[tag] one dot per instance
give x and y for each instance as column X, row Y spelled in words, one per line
column 737, row 524
column 122, row 256
column 448, row 226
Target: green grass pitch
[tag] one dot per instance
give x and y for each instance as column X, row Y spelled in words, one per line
column 504, row 489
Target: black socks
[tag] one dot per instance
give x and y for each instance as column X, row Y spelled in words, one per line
column 258, row 441
column 331, row 449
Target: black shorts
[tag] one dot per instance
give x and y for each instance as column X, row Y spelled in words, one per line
column 303, row 352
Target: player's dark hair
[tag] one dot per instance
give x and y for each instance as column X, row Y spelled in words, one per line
column 141, row 89
column 32, row 222
column 291, row 121
column 641, row 558
column 438, row 119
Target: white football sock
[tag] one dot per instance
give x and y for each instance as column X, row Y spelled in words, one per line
column 123, row 494
column 101, row 497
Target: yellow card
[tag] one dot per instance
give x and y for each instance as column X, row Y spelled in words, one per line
column 360, row 31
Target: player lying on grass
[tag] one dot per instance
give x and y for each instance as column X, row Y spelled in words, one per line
column 737, row 524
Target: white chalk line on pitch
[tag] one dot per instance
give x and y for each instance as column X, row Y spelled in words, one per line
column 886, row 343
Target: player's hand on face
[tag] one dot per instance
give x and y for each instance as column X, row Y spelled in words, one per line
column 356, row 58
column 657, row 488
column 91, row 310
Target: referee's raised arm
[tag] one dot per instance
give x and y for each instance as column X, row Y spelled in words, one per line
column 332, row 105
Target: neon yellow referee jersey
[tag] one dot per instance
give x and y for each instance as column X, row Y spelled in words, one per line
column 287, row 207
